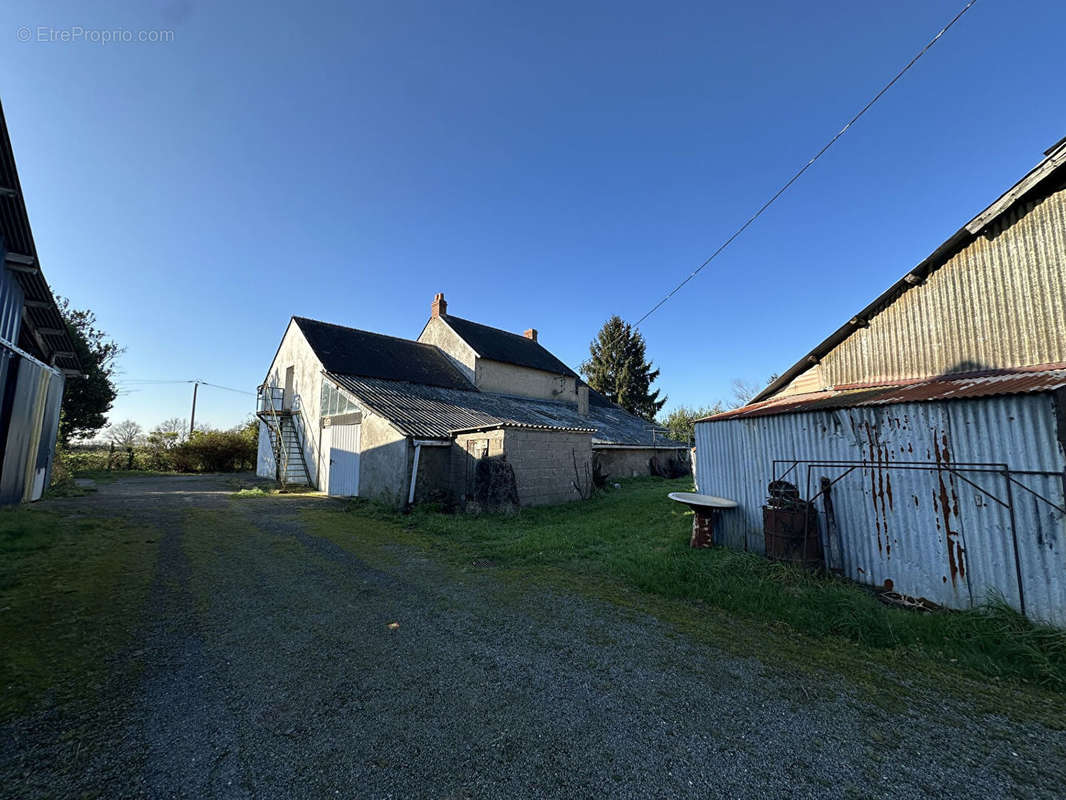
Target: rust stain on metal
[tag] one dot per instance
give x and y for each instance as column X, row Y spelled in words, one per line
column 880, row 482
column 948, row 503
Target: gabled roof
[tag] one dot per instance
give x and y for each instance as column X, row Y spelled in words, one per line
column 43, row 333
column 349, row 351
column 988, row 383
column 1047, row 176
column 435, row 412
column 510, row 348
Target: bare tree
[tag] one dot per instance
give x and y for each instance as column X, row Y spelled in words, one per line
column 173, row 431
column 169, row 433
column 124, row 434
column 744, row 390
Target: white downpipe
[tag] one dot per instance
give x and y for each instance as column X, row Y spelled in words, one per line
column 414, row 473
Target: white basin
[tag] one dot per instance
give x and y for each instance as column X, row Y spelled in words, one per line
column 702, row 500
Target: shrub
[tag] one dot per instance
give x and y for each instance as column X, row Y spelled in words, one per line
column 216, row 451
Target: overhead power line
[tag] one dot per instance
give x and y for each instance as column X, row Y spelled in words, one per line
column 227, row 388
column 805, row 167
column 130, row 383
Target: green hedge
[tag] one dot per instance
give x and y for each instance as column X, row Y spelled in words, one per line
column 206, row 451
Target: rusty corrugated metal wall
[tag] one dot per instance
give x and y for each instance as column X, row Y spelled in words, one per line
column 999, row 302
column 929, row 533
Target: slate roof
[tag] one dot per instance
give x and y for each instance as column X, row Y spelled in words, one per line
column 435, row 412
column 510, row 348
column 349, row 351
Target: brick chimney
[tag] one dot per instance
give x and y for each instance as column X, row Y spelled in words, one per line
column 531, row 334
column 440, row 306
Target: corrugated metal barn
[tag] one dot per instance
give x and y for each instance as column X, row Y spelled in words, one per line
column 930, row 429
column 36, row 353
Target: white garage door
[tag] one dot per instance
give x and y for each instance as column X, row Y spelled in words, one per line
column 343, row 460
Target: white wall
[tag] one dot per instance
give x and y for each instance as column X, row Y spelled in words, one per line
column 307, row 386
column 266, row 465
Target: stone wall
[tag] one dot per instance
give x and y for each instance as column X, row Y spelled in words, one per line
column 626, row 462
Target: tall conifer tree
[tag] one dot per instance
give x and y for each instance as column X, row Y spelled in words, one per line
column 617, row 369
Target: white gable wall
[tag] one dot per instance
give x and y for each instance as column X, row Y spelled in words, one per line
column 437, row 332
column 307, row 388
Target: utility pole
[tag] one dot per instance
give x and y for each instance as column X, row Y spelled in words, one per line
column 192, row 417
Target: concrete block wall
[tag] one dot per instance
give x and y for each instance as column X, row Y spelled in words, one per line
column 543, row 463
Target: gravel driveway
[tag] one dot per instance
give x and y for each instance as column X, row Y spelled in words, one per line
column 270, row 670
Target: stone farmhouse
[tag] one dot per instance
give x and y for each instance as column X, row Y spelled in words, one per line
column 355, row 413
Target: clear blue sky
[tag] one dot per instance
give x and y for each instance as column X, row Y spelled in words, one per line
column 545, row 165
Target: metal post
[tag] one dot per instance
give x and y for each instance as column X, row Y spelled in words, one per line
column 192, row 416
column 1014, row 540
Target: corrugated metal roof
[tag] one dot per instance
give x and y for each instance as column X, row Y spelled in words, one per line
column 18, row 238
column 525, row 427
column 1026, row 380
column 438, row 412
column 1046, row 177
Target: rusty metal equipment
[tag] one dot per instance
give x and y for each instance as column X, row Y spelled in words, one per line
column 790, row 527
column 977, row 471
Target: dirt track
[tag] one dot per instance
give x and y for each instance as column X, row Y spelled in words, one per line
column 269, row 670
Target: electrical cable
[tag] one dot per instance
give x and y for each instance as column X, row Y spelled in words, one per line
column 802, row 170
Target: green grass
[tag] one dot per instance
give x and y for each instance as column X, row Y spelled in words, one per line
column 71, row 593
column 636, row 539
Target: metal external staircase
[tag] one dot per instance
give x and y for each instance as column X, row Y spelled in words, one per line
column 285, row 441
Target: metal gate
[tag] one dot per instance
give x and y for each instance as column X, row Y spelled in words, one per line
column 342, row 444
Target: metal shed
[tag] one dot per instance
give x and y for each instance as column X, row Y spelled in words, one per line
column 946, row 489
column 930, row 428
column 36, row 351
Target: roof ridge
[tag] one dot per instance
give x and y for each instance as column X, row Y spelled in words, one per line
column 497, row 330
column 1053, row 163
column 990, row 372
column 496, row 344
column 471, row 390
column 298, row 318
